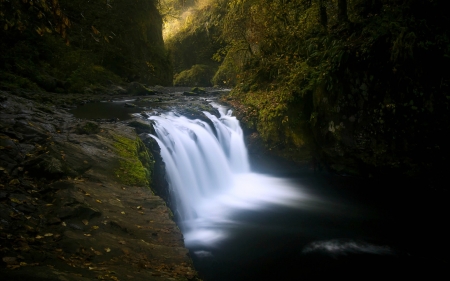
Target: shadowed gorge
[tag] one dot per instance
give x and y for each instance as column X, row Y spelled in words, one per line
column 224, row 139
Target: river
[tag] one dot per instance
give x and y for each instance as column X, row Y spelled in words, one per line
column 247, row 220
column 241, row 223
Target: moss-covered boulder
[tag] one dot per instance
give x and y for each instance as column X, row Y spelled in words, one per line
column 197, row 75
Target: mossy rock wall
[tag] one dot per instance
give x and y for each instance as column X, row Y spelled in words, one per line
column 106, row 42
column 136, row 164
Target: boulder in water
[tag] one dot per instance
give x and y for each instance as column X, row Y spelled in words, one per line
column 137, row 89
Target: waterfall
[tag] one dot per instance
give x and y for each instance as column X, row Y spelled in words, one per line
column 209, row 173
column 199, row 162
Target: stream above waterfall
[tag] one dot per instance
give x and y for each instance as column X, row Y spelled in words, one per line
column 241, row 224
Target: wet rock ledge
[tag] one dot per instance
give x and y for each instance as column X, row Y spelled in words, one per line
column 75, row 202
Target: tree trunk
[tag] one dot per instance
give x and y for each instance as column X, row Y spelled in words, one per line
column 307, row 3
column 323, row 14
column 342, row 11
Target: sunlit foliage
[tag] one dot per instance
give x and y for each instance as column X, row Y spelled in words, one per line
column 44, row 16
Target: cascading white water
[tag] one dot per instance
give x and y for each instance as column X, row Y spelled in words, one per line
column 209, row 173
column 198, row 163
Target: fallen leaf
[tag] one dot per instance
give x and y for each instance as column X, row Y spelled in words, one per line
column 98, row 201
column 9, row 260
column 13, row 266
column 39, row 237
column 85, row 222
column 63, row 224
column 95, row 227
column 87, row 234
column 15, row 200
column 107, row 250
column 123, row 213
column 122, row 242
column 48, row 234
column 14, row 182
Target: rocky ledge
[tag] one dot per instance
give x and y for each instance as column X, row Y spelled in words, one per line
column 76, row 202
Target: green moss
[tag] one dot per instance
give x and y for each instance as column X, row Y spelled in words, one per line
column 198, row 74
column 13, row 81
column 136, row 165
column 280, row 117
column 91, row 76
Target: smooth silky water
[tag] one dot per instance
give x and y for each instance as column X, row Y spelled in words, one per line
column 244, row 225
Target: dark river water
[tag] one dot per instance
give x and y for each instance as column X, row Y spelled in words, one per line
column 358, row 230
column 283, row 223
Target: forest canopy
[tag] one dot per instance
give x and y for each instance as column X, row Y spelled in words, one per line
column 366, row 81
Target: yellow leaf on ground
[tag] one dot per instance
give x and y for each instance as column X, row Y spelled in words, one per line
column 14, row 182
column 95, row 30
column 15, row 200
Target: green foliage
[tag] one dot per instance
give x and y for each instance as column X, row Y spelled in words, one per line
column 93, row 76
column 13, row 81
column 367, row 87
column 195, row 37
column 198, row 75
